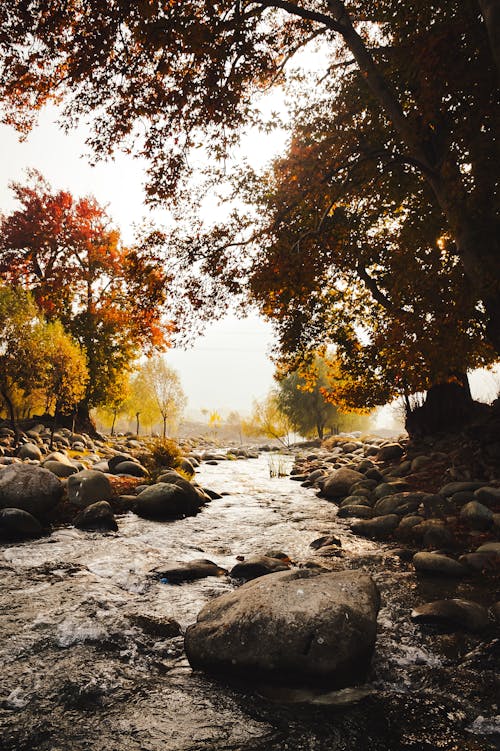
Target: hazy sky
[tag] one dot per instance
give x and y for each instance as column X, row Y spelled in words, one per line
column 226, row 369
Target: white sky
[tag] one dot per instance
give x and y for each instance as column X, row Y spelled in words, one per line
column 226, row 369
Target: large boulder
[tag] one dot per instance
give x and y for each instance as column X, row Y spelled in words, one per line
column 294, row 626
column 97, row 517
column 87, row 487
column 166, row 501
column 30, row 488
column 16, row 524
column 390, row 452
column 338, row 484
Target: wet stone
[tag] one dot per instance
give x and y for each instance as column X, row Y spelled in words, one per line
column 452, row 615
column 190, row 571
column 436, row 563
column 257, row 566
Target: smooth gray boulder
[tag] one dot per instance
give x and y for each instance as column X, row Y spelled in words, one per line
column 390, row 504
column 476, row 515
column 293, row 626
column 30, row 488
column 87, row 487
column 60, row 469
column 165, row 501
column 378, row 528
column 97, row 517
column 29, row 451
column 16, row 524
column 390, row 452
column 436, row 563
column 338, row 484
column 132, row 469
column 452, row 615
column 488, row 495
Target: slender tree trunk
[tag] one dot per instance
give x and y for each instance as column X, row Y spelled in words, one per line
column 115, row 412
column 320, row 430
column 164, row 426
column 490, row 10
column 12, row 414
column 137, row 423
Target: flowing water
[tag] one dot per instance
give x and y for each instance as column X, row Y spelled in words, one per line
column 79, row 672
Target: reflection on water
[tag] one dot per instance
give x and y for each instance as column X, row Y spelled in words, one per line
column 77, row 672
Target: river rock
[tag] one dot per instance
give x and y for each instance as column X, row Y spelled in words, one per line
column 87, row 487
column 132, row 469
column 293, row 626
column 458, row 487
column 376, row 529
column 488, row 496
column 16, row 524
column 325, row 541
column 29, row 451
column 489, row 547
column 391, row 504
column 390, row 488
column 338, row 484
column 164, row 501
column 485, row 562
column 186, row 466
column 182, row 572
column 358, row 511
column 30, row 488
column 198, row 495
column 117, row 459
column 97, row 517
column 436, row 563
column 258, row 565
column 476, row 516
column 452, row 615
column 60, row 469
column 390, row 452
column 355, row 500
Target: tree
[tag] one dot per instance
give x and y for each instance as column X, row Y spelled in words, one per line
column 268, row 420
column 20, row 346
column 181, row 68
column 161, row 385
column 109, row 297
column 37, row 357
column 367, row 265
column 65, row 373
column 301, row 399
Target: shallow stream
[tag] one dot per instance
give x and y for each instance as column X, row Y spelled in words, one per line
column 77, row 671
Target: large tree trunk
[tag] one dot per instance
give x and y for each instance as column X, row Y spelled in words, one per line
column 448, row 407
column 490, row 10
column 80, row 421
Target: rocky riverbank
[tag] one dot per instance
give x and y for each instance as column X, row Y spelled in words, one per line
column 277, row 589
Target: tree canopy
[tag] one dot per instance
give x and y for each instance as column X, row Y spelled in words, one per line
column 111, row 298
column 188, row 71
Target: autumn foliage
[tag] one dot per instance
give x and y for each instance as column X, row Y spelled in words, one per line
column 110, row 298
